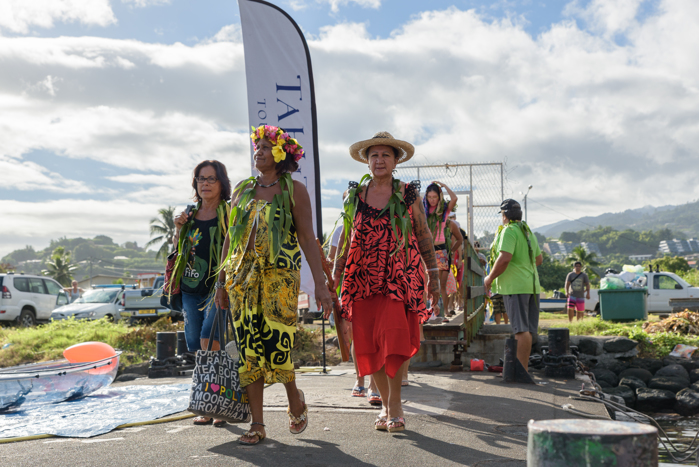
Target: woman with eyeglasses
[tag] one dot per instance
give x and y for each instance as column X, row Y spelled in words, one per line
column 199, row 238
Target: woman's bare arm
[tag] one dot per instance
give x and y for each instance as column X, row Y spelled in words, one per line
column 457, row 235
column 426, row 247
column 303, row 214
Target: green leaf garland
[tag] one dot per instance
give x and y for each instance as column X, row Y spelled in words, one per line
column 278, row 226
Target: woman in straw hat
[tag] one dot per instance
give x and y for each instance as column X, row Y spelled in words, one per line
column 382, row 262
column 270, row 218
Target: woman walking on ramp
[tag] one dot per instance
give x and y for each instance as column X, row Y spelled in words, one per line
column 270, row 218
column 383, row 285
column 438, row 211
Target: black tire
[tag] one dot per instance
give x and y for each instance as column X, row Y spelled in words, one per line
column 597, row 309
column 26, row 318
column 109, row 318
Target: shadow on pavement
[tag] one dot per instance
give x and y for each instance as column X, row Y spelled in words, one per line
column 457, row 452
column 271, row 452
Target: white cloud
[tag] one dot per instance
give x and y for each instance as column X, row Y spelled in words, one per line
column 336, row 4
column 146, row 3
column 37, row 223
column 607, row 17
column 26, row 176
column 19, row 15
column 590, row 123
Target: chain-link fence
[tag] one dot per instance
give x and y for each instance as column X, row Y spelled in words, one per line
column 479, row 186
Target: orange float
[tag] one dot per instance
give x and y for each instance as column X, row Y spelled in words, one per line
column 87, row 352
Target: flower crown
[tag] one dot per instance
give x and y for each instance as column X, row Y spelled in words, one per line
column 282, row 143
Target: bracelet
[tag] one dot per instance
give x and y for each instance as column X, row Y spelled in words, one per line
column 219, row 285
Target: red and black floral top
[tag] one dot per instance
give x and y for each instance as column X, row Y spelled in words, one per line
column 370, row 269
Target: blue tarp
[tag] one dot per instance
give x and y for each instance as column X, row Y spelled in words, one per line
column 96, row 414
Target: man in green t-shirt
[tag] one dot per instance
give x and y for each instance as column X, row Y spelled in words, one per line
column 516, row 255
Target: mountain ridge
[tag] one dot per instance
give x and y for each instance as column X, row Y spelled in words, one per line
column 683, row 218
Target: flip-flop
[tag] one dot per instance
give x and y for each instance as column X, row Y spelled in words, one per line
column 301, row 418
column 381, row 424
column 220, row 423
column 396, row 424
column 358, row 391
column 405, row 382
column 251, row 433
column 375, row 399
column 203, row 421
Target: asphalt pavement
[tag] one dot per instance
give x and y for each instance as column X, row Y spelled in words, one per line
column 471, row 419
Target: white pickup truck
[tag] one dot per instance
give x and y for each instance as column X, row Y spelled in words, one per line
column 144, row 304
column 662, row 286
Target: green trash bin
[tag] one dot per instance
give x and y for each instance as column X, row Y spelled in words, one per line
column 623, row 304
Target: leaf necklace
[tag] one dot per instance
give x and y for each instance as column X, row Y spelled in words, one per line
column 398, row 213
column 279, row 226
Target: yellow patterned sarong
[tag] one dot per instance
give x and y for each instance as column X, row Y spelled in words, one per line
column 263, row 300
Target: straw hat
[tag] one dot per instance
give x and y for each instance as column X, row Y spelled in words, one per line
column 382, row 138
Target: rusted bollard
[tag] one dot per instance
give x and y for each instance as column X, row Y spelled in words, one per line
column 591, row 443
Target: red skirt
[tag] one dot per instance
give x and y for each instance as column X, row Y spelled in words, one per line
column 384, row 333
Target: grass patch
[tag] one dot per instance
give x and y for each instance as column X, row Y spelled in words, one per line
column 652, row 345
column 48, row 341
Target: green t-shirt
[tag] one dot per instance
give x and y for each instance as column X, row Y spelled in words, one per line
column 517, row 278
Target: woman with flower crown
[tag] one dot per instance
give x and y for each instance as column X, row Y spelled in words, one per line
column 260, row 273
column 388, row 241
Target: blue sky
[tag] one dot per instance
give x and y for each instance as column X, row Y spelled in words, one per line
column 109, row 103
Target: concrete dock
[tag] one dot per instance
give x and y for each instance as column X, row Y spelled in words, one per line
column 464, row 418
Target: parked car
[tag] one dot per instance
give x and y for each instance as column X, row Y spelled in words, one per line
column 97, row 303
column 144, row 304
column 26, row 300
column 662, row 287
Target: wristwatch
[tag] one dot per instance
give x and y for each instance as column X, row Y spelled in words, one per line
column 219, row 285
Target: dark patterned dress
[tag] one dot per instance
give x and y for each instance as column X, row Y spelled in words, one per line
column 383, row 294
column 264, row 300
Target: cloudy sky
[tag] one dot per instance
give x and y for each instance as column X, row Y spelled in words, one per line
column 107, row 105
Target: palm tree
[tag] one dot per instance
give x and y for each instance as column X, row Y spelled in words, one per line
column 587, row 259
column 164, row 228
column 59, row 267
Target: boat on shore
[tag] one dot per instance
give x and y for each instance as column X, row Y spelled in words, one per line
column 57, row 380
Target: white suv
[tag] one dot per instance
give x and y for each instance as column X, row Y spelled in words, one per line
column 28, row 299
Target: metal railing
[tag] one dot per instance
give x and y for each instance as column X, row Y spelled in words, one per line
column 474, row 301
column 461, row 335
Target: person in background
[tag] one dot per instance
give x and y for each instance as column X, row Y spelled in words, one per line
column 516, row 255
column 577, row 283
column 359, row 390
column 74, row 292
column 437, row 211
column 199, row 238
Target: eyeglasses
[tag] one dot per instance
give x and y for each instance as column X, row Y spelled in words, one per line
column 202, row 180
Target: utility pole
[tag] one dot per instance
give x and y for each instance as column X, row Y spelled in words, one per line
column 525, row 202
